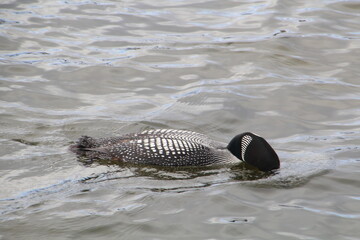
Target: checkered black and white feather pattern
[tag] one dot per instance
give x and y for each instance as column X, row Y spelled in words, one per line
column 166, row 147
column 245, row 142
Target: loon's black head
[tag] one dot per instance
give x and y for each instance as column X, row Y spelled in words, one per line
column 255, row 151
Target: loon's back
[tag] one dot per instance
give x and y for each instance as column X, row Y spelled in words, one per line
column 164, row 147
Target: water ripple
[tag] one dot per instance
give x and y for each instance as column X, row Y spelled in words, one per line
column 287, row 71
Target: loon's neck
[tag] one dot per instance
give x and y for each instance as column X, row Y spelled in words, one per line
column 255, row 151
column 234, row 146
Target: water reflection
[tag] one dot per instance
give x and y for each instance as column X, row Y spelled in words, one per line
column 239, row 172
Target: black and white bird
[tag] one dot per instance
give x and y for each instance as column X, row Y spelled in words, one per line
column 169, row 147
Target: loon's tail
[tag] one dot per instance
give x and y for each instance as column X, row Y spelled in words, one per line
column 84, row 144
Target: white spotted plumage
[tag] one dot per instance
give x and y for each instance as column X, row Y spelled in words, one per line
column 164, row 147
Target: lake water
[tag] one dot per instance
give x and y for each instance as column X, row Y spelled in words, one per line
column 286, row 70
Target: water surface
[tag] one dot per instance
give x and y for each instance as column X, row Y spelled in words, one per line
column 286, row 70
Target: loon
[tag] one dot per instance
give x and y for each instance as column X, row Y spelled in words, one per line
column 169, row 147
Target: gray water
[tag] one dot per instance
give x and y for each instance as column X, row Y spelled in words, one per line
column 286, row 70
